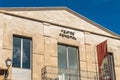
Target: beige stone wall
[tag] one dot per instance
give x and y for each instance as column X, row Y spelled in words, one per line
column 63, row 17
column 113, row 46
column 22, row 27
column 45, row 37
column 1, row 36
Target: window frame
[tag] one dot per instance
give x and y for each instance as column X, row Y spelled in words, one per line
column 21, row 53
column 78, row 57
column 111, row 62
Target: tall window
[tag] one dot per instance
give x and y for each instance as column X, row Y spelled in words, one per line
column 68, row 62
column 111, row 66
column 21, row 52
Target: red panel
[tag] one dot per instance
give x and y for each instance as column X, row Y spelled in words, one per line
column 101, row 53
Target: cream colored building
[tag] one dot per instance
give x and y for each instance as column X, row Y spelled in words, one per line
column 52, row 44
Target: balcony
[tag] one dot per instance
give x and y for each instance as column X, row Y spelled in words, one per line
column 54, row 73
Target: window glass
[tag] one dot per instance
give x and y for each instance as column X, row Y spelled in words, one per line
column 72, row 56
column 111, row 66
column 26, row 53
column 21, row 52
column 16, row 52
column 68, row 62
column 73, row 63
column 62, row 61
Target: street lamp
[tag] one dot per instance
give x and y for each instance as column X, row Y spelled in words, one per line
column 8, row 62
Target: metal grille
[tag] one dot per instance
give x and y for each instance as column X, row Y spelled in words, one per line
column 54, row 73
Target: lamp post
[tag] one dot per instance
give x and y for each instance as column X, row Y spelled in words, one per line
column 6, row 72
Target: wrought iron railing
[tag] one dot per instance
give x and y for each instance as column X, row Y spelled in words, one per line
column 54, row 73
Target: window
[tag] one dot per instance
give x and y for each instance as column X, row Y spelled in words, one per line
column 68, row 62
column 111, row 66
column 108, row 72
column 21, row 52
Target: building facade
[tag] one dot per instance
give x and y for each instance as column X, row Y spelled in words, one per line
column 54, row 44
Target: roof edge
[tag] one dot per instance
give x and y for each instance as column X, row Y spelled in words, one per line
column 92, row 22
column 59, row 8
column 33, row 8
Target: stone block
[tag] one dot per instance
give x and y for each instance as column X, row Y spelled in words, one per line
column 83, row 75
column 50, row 49
column 117, row 73
column 83, row 65
column 90, row 51
column 7, row 40
column 53, row 61
column 37, row 65
column 38, row 44
column 82, row 53
column 92, row 67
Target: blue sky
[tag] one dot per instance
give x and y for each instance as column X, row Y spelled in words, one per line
column 103, row 12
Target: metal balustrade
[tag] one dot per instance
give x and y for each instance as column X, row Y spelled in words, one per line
column 55, row 73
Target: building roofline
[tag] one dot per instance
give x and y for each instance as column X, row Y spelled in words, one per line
column 92, row 22
column 58, row 8
column 32, row 8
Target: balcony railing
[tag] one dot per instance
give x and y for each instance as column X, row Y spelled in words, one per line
column 54, row 73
